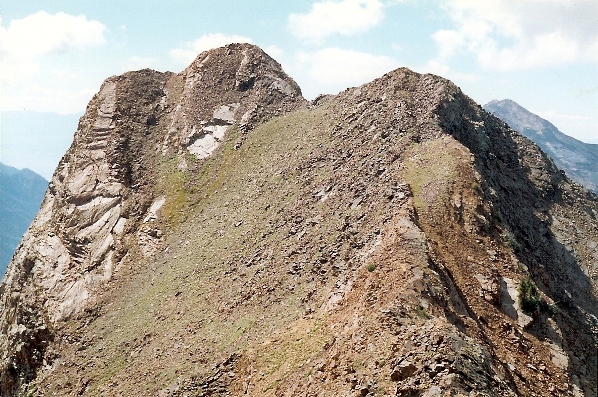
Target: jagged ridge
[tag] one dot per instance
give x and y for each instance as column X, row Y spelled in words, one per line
column 105, row 184
column 369, row 243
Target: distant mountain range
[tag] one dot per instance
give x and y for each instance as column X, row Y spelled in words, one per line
column 21, row 193
column 579, row 160
column 36, row 140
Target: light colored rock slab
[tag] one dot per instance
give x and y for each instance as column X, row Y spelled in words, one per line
column 509, row 300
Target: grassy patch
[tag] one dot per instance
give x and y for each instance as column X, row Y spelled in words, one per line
column 422, row 313
column 200, row 293
column 302, row 341
column 176, row 196
column 429, row 163
column 31, row 391
column 530, row 300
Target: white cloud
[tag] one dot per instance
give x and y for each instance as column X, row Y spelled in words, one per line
column 442, row 69
column 274, row 51
column 26, row 40
column 189, row 51
column 47, row 99
column 331, row 70
column 331, row 17
column 138, row 63
column 514, row 35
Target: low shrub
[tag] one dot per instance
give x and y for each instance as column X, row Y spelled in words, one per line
column 529, row 299
column 422, row 312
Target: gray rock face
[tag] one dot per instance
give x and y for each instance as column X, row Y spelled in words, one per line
column 73, row 244
column 576, row 158
column 92, row 215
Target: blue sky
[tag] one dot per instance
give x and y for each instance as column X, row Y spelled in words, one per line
column 541, row 53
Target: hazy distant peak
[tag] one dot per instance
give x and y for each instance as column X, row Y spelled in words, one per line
column 576, row 158
column 520, row 118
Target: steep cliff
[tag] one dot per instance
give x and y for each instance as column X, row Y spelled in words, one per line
column 92, row 217
column 211, row 233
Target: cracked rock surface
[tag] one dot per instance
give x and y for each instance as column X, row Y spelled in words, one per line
column 212, row 233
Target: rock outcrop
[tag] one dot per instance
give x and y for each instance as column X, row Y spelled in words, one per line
column 104, row 186
column 213, row 233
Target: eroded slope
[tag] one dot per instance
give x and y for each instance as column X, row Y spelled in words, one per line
column 94, row 216
column 372, row 243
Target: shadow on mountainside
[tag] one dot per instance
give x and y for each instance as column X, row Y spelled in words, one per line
column 526, row 189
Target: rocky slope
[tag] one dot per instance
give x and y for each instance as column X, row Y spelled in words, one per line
column 576, row 158
column 21, row 193
column 212, row 233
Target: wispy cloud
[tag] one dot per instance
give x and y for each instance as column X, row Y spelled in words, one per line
column 344, row 17
column 332, row 69
column 137, row 63
column 442, row 69
column 188, row 52
column 26, row 40
column 42, row 98
column 515, row 35
column 274, row 51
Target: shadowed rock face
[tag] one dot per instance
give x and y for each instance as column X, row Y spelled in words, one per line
column 213, row 233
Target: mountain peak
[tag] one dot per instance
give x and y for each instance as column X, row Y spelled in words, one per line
column 215, row 234
column 243, row 52
column 576, row 158
column 238, row 84
column 250, row 65
column 510, row 106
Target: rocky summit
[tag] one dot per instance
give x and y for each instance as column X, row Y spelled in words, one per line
column 213, row 233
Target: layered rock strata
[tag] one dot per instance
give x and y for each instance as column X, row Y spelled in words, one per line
column 212, row 233
column 101, row 193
